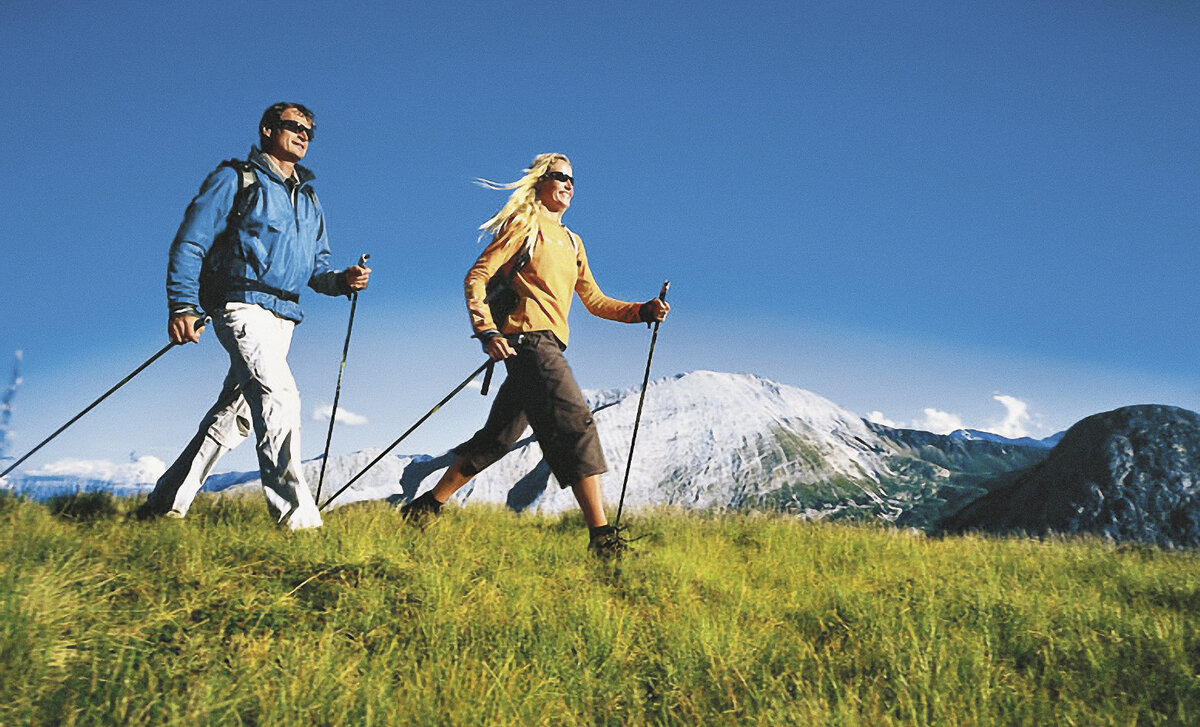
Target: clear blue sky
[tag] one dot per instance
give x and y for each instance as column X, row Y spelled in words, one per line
column 900, row 206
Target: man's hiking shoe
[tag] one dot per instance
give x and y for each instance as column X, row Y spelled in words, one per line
column 146, row 512
column 422, row 510
column 606, row 542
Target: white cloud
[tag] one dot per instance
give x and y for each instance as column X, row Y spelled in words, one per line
column 935, row 420
column 1015, row 424
column 938, row 421
column 476, row 384
column 349, row 418
column 1015, row 419
column 877, row 417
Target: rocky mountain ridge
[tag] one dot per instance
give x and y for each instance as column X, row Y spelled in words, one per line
column 1128, row 474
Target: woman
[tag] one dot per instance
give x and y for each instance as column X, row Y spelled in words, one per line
column 543, row 264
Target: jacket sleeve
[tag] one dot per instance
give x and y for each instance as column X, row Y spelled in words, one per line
column 594, row 299
column 325, row 279
column 502, row 247
column 203, row 223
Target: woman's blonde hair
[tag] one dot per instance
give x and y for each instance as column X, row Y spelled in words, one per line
column 520, row 211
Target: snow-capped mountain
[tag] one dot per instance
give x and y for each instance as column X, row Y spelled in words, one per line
column 706, row 439
column 68, row 476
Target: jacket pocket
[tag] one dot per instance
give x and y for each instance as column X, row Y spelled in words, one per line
column 261, row 239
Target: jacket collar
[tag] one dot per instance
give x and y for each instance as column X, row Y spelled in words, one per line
column 259, row 159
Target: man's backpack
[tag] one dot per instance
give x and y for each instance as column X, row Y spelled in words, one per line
column 217, row 258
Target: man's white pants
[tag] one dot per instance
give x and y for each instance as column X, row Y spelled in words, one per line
column 259, row 392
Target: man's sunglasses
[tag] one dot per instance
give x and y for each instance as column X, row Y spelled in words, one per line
column 559, row 177
column 296, row 127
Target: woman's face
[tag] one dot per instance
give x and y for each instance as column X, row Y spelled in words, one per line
column 557, row 187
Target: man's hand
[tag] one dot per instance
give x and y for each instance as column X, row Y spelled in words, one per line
column 357, row 276
column 498, row 348
column 185, row 329
column 655, row 310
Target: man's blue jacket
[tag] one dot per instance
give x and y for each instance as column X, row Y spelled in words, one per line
column 279, row 247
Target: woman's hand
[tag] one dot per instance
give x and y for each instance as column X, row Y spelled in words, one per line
column 498, row 348
column 655, row 310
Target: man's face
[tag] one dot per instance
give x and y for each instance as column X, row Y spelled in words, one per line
column 287, row 144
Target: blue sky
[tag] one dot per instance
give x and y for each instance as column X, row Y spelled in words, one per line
column 910, row 208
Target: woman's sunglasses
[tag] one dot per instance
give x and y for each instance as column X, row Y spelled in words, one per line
column 559, row 177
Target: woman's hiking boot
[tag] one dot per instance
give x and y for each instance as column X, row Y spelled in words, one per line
column 422, row 511
column 606, row 542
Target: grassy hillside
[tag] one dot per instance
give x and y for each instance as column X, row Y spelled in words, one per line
column 494, row 618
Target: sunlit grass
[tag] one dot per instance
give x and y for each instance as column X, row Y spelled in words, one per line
column 489, row 617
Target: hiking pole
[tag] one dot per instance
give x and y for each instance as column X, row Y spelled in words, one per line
column 411, row 429
column 641, row 400
column 337, row 394
column 199, row 324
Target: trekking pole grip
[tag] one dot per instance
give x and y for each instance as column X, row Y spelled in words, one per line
column 662, row 295
column 362, row 263
column 200, row 324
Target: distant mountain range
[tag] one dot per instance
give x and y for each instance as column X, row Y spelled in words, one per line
column 741, row 442
column 974, row 435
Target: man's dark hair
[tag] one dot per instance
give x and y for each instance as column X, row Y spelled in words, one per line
column 272, row 116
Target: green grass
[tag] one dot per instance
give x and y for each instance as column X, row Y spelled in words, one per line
column 489, row 617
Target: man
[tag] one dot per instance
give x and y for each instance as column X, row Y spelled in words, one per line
column 252, row 238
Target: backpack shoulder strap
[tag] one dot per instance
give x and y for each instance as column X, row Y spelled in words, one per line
column 247, row 183
column 574, row 239
column 243, row 200
column 519, row 259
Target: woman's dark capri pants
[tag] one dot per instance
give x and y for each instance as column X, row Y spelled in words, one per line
column 540, row 391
